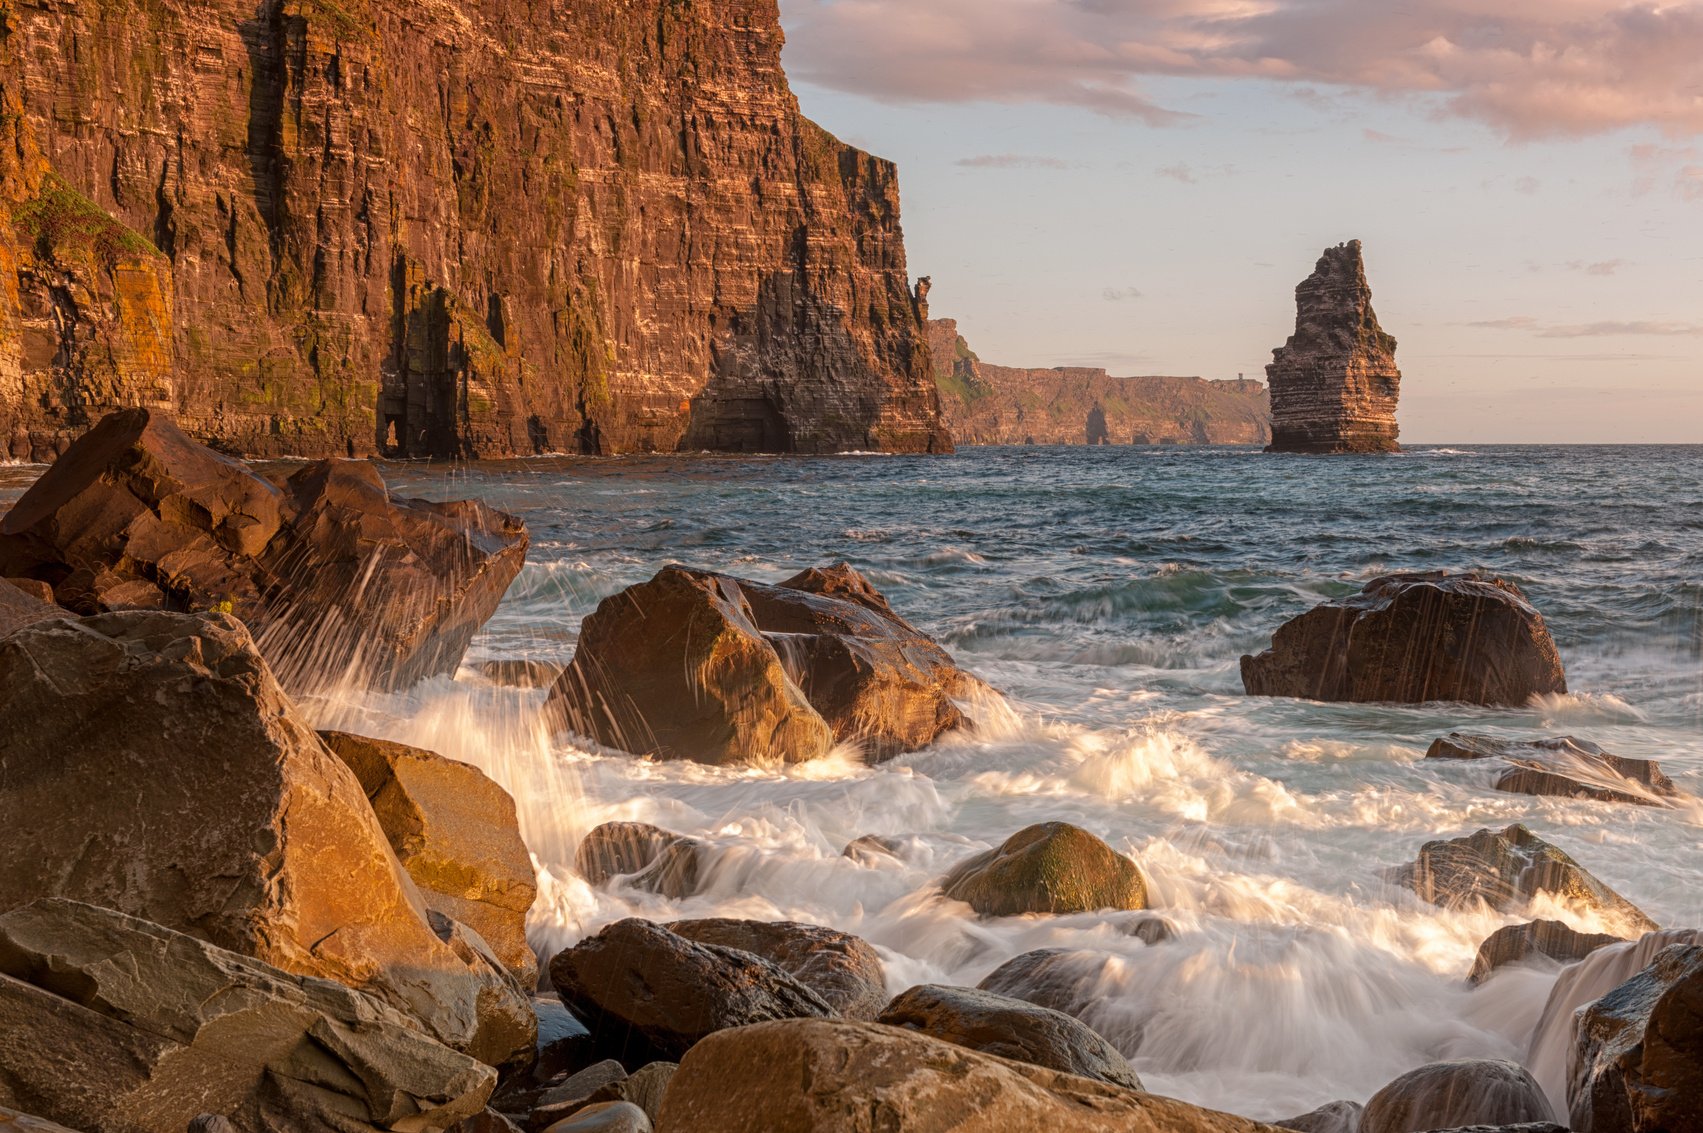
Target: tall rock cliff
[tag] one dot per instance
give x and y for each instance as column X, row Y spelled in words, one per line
column 1003, row 405
column 1334, row 385
column 452, row 228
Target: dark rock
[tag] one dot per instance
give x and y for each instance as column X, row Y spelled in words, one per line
column 1148, row 930
column 1563, row 767
column 841, row 968
column 1052, row 867
column 569, row 1096
column 1448, row 1095
column 519, row 674
column 648, row 857
column 1522, row 1127
column 1505, row 870
column 1332, row 1117
column 218, row 1123
column 1010, row 1028
column 564, row 1044
column 647, row 995
column 872, row 848
column 1410, row 639
column 1518, row 943
column 20, row 607
column 1062, row 979
column 644, row 1087
column 1638, row 1063
column 604, row 1117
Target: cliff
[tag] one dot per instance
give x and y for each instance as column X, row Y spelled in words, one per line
column 459, row 228
column 1335, row 384
column 1001, row 405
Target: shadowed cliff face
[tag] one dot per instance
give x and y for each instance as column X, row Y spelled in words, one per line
column 465, row 228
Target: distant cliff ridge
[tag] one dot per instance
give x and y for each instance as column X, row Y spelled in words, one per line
column 1001, row 405
column 470, row 228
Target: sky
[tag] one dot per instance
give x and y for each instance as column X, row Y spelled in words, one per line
column 1140, row 184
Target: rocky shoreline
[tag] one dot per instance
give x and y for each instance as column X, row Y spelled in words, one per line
column 220, row 918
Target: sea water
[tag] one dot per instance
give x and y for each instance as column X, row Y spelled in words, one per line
column 1108, row 594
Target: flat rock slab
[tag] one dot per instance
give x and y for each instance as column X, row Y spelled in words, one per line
column 1563, row 767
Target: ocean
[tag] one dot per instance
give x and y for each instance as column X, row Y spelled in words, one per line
column 1108, row 594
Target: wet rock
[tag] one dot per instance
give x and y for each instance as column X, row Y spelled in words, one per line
column 1448, row 1095
column 335, row 578
column 519, row 674
column 864, row 1077
column 1638, row 1063
column 567, row 1097
column 1062, row 979
column 1052, row 867
column 604, row 1117
column 163, row 773
column 1010, row 1028
column 1505, row 870
column 841, row 968
column 647, row 857
column 117, row 1023
column 1149, row 930
column 488, row 1121
column 644, row 1087
column 1517, row 944
column 564, row 1044
column 647, row 994
column 1410, row 639
column 1332, row 1117
column 872, row 848
column 1563, row 767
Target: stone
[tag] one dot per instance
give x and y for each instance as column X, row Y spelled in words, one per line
column 164, row 773
column 1412, row 639
column 644, row 1087
column 564, row 1044
column 1506, row 870
column 1449, row 1095
column 1637, row 1063
column 20, row 606
column 115, row 1023
column 1518, row 944
column 1051, row 867
column 1335, row 384
column 838, row 1076
column 337, row 580
column 872, row 849
column 456, row 833
column 11, row 1121
column 486, row 1121
column 219, row 1123
column 1010, row 1028
column 1332, row 1117
column 604, row 1117
column 648, row 995
column 1149, row 930
column 647, row 857
column 841, row 968
column 518, row 674
column 1563, row 767
column 1062, row 979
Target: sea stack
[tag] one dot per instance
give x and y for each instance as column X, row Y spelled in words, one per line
column 1334, row 384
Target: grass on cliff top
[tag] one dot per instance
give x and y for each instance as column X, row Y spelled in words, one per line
column 60, row 220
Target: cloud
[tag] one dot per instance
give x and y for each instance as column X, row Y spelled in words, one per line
column 1011, row 161
column 1600, row 267
column 1528, row 185
column 1605, row 329
column 1119, row 294
column 1527, row 68
column 1189, row 175
column 1177, row 172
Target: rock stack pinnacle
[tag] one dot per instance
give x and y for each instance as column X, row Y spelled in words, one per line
column 1334, row 384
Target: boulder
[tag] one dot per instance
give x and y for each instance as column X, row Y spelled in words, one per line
column 604, row 1117
column 1518, row 944
column 1637, row 1065
column 1413, row 638
column 1052, row 867
column 838, row 1076
column 647, row 857
column 1449, row 1095
column 1063, row 979
column 1505, row 870
column 572, row 1094
column 1332, row 1117
column 116, row 1024
column 22, row 606
column 456, row 833
column 872, row 849
column 644, row 1087
column 841, row 968
column 564, row 1044
column 519, row 674
column 1563, row 767
column 1010, row 1028
column 161, row 771
column 336, row 579
column 11, row 1121
column 647, row 994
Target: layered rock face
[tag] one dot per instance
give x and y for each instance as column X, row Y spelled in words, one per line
column 1072, row 405
column 471, row 228
column 1335, row 383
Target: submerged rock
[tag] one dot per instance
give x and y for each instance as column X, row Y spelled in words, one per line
column 1334, row 384
column 648, row 857
column 1051, row 867
column 1063, row 979
column 1332, row 1117
column 1413, row 638
column 1517, row 944
column 841, row 968
column 1450, row 1095
column 1563, row 767
column 1638, row 1063
column 871, row 849
column 519, row 674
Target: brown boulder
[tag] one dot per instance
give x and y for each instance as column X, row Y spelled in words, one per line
column 1413, row 638
column 1637, row 1066
column 160, row 770
column 647, row 857
column 21, row 606
column 334, row 577
column 1505, row 870
column 837, row 1076
column 841, row 968
column 115, row 1024
column 1563, row 767
column 11, row 1121
column 1517, row 944
column 1062, row 979
column 1449, row 1095
column 1010, row 1028
column 1052, row 867
column 648, row 995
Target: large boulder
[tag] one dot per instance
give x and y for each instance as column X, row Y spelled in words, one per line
column 1412, row 638
column 1506, row 869
column 837, row 1076
column 841, row 968
column 456, row 833
column 1638, row 1063
column 1450, row 1095
column 336, row 579
column 1010, row 1028
column 649, row 995
column 115, row 1024
column 1563, row 767
column 150, row 763
column 644, row 856
column 1051, row 867
column 1523, row 943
